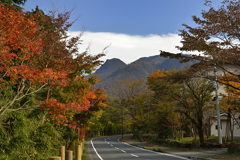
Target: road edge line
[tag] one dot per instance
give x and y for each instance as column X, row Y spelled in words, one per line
column 95, row 150
column 166, row 154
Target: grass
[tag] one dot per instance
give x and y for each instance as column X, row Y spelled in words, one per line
column 186, row 140
column 84, row 155
column 223, row 156
column 211, row 139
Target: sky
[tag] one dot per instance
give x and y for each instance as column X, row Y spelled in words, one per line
column 131, row 28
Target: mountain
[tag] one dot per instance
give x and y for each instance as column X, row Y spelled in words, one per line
column 141, row 68
column 109, row 67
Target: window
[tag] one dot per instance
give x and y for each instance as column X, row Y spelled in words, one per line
column 216, row 126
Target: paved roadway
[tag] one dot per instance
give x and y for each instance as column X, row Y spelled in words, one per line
column 110, row 148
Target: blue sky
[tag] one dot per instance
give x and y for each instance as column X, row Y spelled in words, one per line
column 134, row 28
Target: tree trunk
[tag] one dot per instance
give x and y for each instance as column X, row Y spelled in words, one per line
column 231, row 126
column 194, row 132
column 199, row 124
column 209, row 128
column 231, row 130
column 181, row 134
column 200, row 132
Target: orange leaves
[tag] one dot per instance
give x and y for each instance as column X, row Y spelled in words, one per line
column 18, row 44
column 30, row 56
column 233, row 94
column 232, row 81
column 77, row 97
column 18, row 31
column 54, row 77
column 62, row 112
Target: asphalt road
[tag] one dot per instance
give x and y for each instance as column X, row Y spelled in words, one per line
column 110, row 148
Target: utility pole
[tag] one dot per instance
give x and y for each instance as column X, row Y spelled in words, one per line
column 217, row 105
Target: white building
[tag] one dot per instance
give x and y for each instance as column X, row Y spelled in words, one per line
column 226, row 127
column 223, row 115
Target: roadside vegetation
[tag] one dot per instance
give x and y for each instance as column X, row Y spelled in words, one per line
column 45, row 98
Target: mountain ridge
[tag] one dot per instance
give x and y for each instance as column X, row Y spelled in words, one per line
column 141, row 68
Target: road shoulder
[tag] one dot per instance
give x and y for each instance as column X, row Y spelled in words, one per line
column 201, row 154
column 91, row 155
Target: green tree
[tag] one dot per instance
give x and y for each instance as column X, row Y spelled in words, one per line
column 191, row 97
column 23, row 136
column 13, row 2
column 133, row 97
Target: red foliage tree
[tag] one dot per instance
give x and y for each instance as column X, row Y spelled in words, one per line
column 68, row 91
column 19, row 43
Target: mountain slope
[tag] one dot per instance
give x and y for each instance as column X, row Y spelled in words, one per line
column 109, row 67
column 140, row 68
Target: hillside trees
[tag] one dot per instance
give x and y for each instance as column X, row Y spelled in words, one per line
column 191, row 97
column 133, row 92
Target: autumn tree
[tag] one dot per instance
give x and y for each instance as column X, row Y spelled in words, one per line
column 168, row 123
column 230, row 99
column 68, row 92
column 19, row 77
column 191, row 97
column 42, row 68
column 216, row 36
column 20, row 81
column 40, row 63
column 230, row 103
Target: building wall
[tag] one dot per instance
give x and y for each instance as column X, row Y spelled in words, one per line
column 214, row 131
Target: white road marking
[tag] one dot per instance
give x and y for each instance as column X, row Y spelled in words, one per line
column 134, row 155
column 123, row 151
column 155, row 152
column 116, row 148
column 96, row 150
column 111, row 145
column 107, row 142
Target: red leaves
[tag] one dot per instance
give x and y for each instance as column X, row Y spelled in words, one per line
column 30, row 56
column 76, row 97
column 18, row 44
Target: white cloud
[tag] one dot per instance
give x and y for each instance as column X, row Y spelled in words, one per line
column 128, row 48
